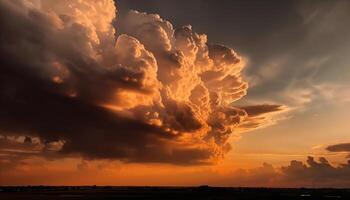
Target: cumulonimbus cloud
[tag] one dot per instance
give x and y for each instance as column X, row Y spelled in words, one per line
column 139, row 92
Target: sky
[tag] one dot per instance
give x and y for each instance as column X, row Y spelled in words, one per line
column 163, row 92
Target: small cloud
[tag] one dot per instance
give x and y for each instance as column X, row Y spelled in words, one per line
column 343, row 147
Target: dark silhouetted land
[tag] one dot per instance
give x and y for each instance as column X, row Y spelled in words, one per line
column 168, row 193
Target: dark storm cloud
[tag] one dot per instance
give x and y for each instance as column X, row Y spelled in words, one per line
column 93, row 130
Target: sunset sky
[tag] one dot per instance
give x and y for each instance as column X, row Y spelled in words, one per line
column 176, row 93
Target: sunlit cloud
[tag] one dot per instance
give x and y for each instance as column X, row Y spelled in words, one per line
column 142, row 91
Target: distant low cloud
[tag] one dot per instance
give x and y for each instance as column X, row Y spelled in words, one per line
column 311, row 173
column 320, row 174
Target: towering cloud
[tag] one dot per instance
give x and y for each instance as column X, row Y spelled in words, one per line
column 139, row 92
